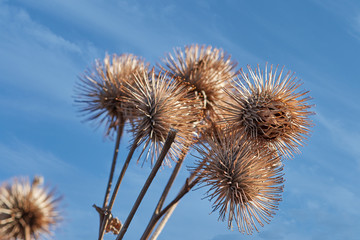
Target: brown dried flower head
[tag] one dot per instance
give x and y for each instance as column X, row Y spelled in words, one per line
column 27, row 210
column 208, row 70
column 246, row 183
column 269, row 110
column 114, row 226
column 100, row 93
column 159, row 104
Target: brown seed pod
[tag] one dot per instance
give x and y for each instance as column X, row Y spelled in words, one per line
column 99, row 93
column 159, row 104
column 268, row 110
column 27, row 209
column 114, row 226
column 245, row 182
column 208, row 70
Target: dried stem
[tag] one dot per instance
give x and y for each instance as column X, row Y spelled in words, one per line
column 186, row 188
column 172, row 205
column 112, row 170
column 163, row 222
column 169, row 140
column 107, row 210
column 170, row 208
column 27, row 232
column 167, row 188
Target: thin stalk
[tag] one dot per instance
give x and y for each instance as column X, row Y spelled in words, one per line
column 167, row 188
column 171, row 180
column 107, row 210
column 171, row 207
column 186, row 188
column 27, row 232
column 112, row 170
column 169, row 140
column 163, row 222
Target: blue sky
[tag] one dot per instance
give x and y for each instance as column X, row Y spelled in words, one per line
column 45, row 45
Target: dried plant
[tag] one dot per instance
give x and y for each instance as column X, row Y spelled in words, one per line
column 208, row 70
column 159, row 104
column 245, row 183
column 269, row 110
column 240, row 128
column 100, row 94
column 27, row 211
column 114, row 226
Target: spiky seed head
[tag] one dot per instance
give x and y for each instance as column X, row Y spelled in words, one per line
column 99, row 92
column 159, row 104
column 208, row 70
column 245, row 182
column 267, row 108
column 27, row 207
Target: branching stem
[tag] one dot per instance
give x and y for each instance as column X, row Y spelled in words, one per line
column 169, row 209
column 167, row 188
column 107, row 211
column 169, row 140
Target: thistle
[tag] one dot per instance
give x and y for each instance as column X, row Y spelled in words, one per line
column 159, row 104
column 208, row 70
column 269, row 110
column 100, row 93
column 245, row 183
column 27, row 211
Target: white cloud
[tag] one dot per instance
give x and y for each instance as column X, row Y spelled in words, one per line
column 21, row 158
column 36, row 61
column 343, row 135
column 347, row 10
column 119, row 22
column 18, row 25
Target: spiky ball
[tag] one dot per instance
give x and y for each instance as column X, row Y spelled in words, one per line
column 159, row 104
column 268, row 109
column 99, row 93
column 27, row 209
column 245, row 183
column 208, row 70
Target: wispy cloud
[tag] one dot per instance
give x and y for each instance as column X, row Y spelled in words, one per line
column 120, row 23
column 18, row 25
column 343, row 135
column 20, row 158
column 42, row 62
column 347, row 10
column 355, row 26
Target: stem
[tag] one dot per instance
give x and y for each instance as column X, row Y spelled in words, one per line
column 27, row 232
column 171, row 206
column 160, row 204
column 107, row 212
column 112, row 170
column 163, row 222
column 169, row 140
column 186, row 188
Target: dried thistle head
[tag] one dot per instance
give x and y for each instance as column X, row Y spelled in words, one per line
column 208, row 70
column 114, row 226
column 27, row 209
column 159, row 104
column 269, row 110
column 100, row 94
column 245, row 182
